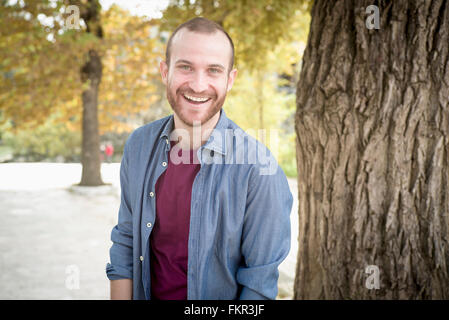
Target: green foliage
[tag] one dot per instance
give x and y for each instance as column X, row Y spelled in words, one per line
column 40, row 64
column 131, row 58
column 37, row 72
column 47, row 141
column 278, row 113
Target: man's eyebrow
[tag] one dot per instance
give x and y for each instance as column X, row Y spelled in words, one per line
column 215, row 65
column 183, row 61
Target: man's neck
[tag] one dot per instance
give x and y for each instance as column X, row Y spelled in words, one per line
column 198, row 134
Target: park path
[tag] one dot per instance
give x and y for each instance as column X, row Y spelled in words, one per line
column 51, row 233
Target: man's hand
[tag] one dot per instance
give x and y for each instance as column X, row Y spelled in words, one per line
column 122, row 289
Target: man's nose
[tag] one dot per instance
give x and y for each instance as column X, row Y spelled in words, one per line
column 199, row 82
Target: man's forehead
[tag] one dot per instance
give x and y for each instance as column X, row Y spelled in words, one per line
column 214, row 45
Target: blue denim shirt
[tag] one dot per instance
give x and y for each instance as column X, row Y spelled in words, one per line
column 240, row 214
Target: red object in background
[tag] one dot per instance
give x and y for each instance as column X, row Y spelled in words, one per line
column 109, row 150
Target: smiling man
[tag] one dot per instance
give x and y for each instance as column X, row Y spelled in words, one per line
column 215, row 225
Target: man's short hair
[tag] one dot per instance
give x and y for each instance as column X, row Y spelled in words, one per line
column 200, row 25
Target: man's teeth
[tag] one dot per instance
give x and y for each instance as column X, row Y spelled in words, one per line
column 196, row 99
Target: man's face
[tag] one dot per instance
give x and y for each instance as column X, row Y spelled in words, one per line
column 198, row 77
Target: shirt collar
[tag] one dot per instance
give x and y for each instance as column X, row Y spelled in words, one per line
column 211, row 143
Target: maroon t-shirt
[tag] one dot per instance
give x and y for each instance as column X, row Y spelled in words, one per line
column 170, row 236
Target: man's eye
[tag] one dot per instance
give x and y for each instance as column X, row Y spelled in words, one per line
column 214, row 70
column 185, row 67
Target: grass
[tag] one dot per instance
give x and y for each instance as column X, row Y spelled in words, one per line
column 6, row 153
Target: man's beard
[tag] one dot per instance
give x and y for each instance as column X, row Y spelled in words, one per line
column 215, row 107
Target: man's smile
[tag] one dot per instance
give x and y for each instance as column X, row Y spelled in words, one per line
column 195, row 100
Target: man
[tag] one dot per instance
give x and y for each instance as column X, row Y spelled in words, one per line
column 204, row 211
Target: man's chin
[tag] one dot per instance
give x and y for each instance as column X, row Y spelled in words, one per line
column 193, row 120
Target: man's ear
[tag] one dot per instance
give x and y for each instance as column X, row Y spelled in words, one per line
column 231, row 78
column 163, row 67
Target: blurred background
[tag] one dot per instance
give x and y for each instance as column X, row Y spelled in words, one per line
column 76, row 78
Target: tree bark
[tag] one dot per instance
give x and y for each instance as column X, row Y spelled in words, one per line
column 91, row 73
column 372, row 128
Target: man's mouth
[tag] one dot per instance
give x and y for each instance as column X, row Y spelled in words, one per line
column 195, row 100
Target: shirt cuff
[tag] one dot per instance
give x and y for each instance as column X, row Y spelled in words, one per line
column 117, row 273
column 248, row 294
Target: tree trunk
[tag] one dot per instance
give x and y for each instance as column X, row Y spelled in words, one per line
column 91, row 72
column 91, row 174
column 372, row 128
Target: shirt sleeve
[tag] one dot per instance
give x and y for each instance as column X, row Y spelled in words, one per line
column 266, row 234
column 121, row 259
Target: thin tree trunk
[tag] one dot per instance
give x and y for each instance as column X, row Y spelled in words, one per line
column 91, row 174
column 91, row 72
column 372, row 128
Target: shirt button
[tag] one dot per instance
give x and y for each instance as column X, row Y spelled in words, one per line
column 151, row 194
column 164, row 164
column 141, row 258
column 149, row 224
column 166, row 140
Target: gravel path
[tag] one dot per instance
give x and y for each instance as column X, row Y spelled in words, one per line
column 54, row 238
